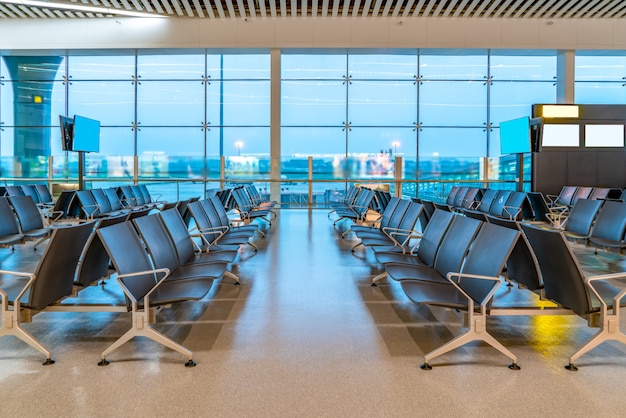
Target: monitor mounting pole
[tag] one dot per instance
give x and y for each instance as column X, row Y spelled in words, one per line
column 81, row 170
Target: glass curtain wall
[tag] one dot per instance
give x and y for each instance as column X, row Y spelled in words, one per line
column 600, row 79
column 188, row 121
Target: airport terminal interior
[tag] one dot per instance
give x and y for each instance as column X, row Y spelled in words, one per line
column 291, row 186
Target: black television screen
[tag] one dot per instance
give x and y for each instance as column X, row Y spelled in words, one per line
column 67, row 132
column 515, row 136
column 86, row 134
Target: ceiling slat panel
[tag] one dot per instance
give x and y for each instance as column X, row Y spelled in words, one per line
column 146, row 5
column 418, row 7
column 388, row 4
column 591, row 8
column 580, row 10
column 262, row 8
column 179, row 10
column 304, row 8
column 585, row 9
column 324, row 8
column 251, row 8
column 543, row 10
column 355, row 9
column 429, row 7
column 531, row 12
column 283, row 8
column 197, row 8
column 470, row 9
column 219, row 8
column 573, row 10
column 157, row 7
column 345, row 8
column 407, row 9
column 397, row 8
column 335, row 9
column 187, row 7
column 167, row 7
column 231, row 8
column 501, row 8
column 28, row 12
column 242, row 9
column 481, row 7
column 512, row 9
column 49, row 13
column 126, row 5
column 606, row 7
column 39, row 12
column 440, row 7
column 208, row 8
column 314, row 8
column 272, row 7
column 449, row 10
column 16, row 11
column 555, row 9
column 137, row 6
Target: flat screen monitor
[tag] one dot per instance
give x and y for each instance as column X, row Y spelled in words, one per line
column 515, row 136
column 67, row 132
column 560, row 135
column 86, row 134
column 604, row 136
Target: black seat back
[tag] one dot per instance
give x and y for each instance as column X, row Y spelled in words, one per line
column 104, row 206
column 521, row 266
column 94, row 263
column 514, row 206
column 581, row 193
column 563, row 280
column 128, row 256
column 27, row 213
column 89, row 206
column 565, row 197
column 611, row 222
column 489, row 196
column 452, row 195
column 8, row 222
column 497, row 207
column 44, row 194
column 113, row 198
column 487, row 255
column 538, row 205
column 459, row 197
column 55, row 272
column 14, row 191
column 455, row 244
column 179, row 234
column 158, row 242
column 30, row 190
column 582, row 215
column 433, row 235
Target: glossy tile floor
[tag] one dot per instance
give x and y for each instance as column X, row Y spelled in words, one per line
column 306, row 336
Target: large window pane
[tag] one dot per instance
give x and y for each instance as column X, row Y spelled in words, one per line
column 375, row 141
column 453, row 103
column 239, row 67
column 170, row 103
column 527, row 67
column 510, row 100
column 159, row 149
column 313, row 103
column 382, row 103
column 382, row 67
column 453, row 67
column 452, row 142
column 313, row 66
column 170, row 67
column 110, row 102
column 600, row 93
column 36, row 103
column 101, row 67
column 238, row 103
column 600, row 68
column 313, row 141
column 240, row 141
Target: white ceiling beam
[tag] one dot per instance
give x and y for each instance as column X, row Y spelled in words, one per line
column 176, row 6
column 356, row 7
column 137, row 5
column 324, row 8
column 335, row 11
column 345, row 8
column 219, row 8
column 146, row 5
column 166, row 6
column 283, row 8
column 388, row 4
column 197, row 7
column 314, row 8
column 126, row 4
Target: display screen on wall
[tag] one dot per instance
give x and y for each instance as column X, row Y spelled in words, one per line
column 86, row 134
column 604, row 136
column 515, row 136
column 560, row 135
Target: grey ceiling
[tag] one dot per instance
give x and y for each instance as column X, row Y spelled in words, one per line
column 237, row 9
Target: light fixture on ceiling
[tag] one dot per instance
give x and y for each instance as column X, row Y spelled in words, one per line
column 79, row 8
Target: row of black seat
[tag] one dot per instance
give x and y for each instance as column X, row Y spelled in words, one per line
column 458, row 262
column 157, row 260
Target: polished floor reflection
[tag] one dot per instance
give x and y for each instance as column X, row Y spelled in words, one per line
column 306, row 336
